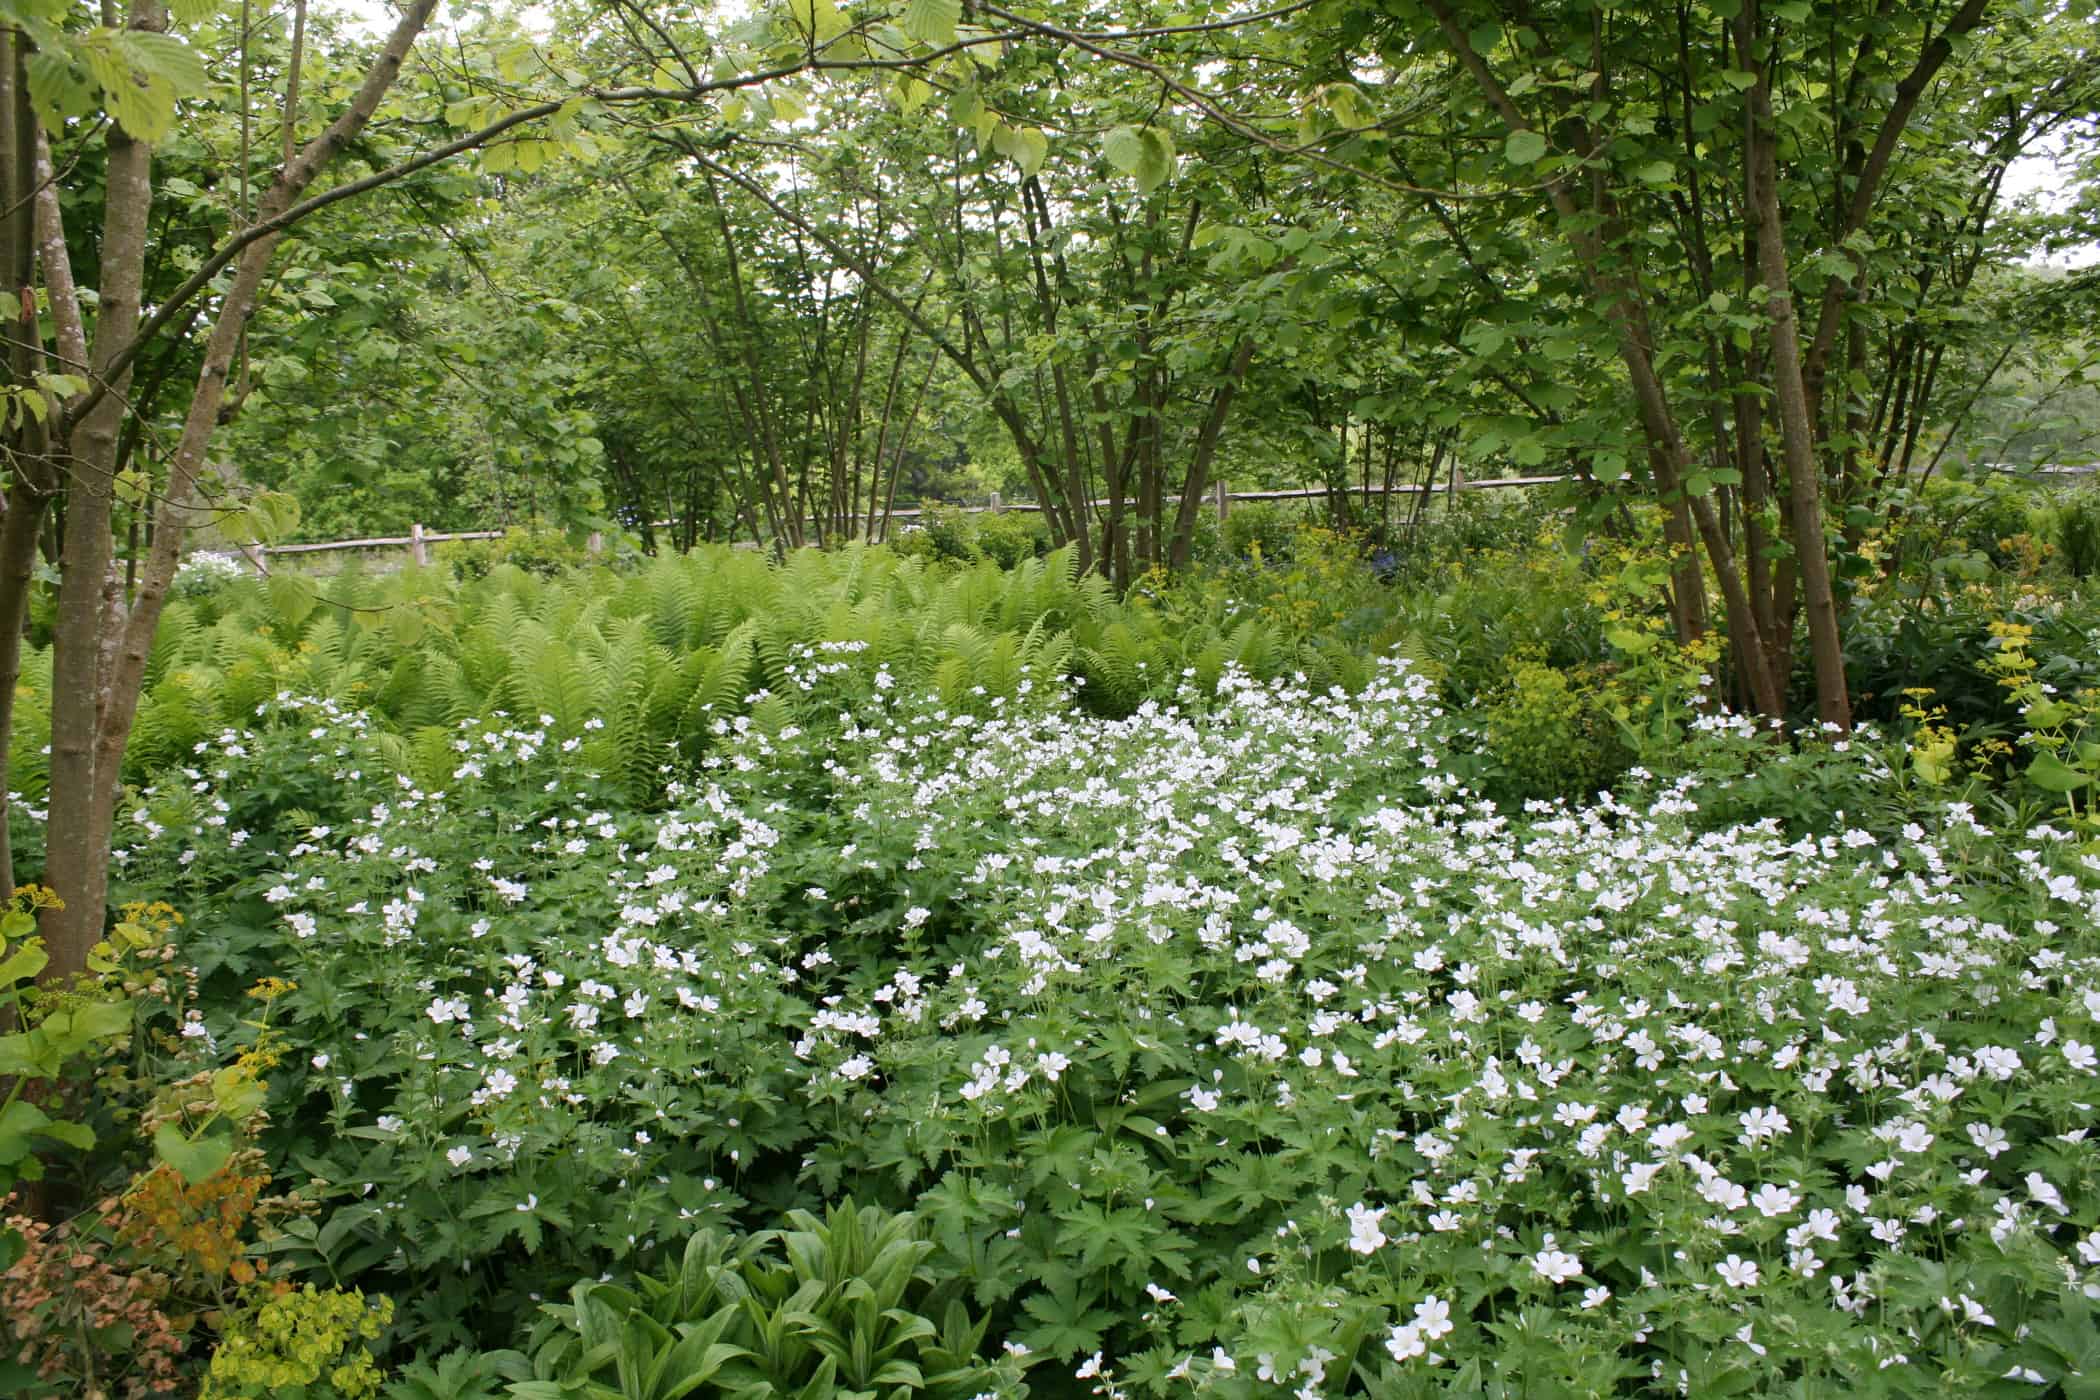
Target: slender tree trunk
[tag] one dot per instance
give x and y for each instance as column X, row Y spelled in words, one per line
column 1790, row 393
column 29, row 491
column 75, row 865
column 85, row 800
column 1198, row 480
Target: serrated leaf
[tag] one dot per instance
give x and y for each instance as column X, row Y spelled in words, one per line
column 932, row 22
column 818, row 21
column 193, row 11
column 58, row 87
column 1524, row 147
column 163, row 56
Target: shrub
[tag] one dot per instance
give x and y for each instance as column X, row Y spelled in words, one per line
column 536, row 549
column 1259, row 529
column 2078, row 531
column 298, row 1344
column 1552, row 735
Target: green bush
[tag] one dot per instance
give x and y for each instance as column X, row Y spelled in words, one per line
column 1004, row 538
column 536, row 549
column 1551, row 734
column 2077, row 521
column 1263, row 526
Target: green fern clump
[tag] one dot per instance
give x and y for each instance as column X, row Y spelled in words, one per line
column 638, row 667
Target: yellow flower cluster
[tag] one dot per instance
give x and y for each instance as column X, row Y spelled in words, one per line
column 294, row 1338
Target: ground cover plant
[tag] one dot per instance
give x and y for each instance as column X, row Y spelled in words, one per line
column 1397, row 1091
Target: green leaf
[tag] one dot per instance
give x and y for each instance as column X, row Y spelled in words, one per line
column 932, row 22
column 1156, row 167
column 195, row 1158
column 164, row 56
column 130, row 487
column 146, row 108
column 27, row 962
column 1524, row 147
column 1349, row 106
column 58, row 86
column 819, row 21
column 1031, row 146
column 1655, row 172
column 1123, row 148
column 1630, row 640
column 18, row 1121
column 2052, row 774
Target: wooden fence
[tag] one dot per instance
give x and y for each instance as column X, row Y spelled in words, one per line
column 418, row 540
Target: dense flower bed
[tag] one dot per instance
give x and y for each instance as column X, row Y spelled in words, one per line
column 1233, row 1044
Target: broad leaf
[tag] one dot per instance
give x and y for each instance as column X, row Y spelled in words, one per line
column 2052, row 774
column 1524, row 147
column 932, row 22
column 197, row 1159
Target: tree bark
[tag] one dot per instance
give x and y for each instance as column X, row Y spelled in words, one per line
column 85, row 800
column 1797, row 435
column 74, row 865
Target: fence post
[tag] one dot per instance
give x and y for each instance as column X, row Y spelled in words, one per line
column 417, row 550
column 996, row 506
column 596, row 543
column 1224, row 500
column 257, row 560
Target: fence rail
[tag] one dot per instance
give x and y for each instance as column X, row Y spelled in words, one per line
column 418, row 540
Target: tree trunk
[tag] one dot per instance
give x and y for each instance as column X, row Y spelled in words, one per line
column 99, row 716
column 1790, row 393
column 75, row 865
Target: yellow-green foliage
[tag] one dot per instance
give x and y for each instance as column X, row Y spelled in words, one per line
column 630, row 664
column 307, row 1342
column 1552, row 735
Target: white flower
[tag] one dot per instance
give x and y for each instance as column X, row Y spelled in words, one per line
column 1595, row 1297
column 1433, row 1316
column 1556, row 1266
column 1761, row 1123
column 1737, row 1272
column 460, row 1156
column 1774, row 1201
column 1998, row 1062
column 2045, row 1194
column 1989, row 1138
column 1405, row 1343
column 1638, row 1177
column 1364, row 1235
column 2079, row 1055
